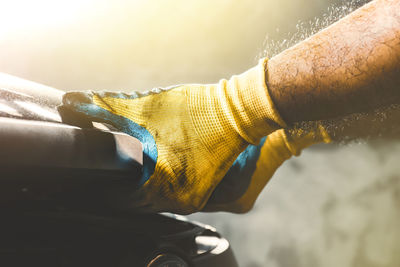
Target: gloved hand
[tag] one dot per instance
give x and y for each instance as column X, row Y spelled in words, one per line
column 191, row 134
column 254, row 167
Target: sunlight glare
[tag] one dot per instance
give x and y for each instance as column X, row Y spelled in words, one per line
column 28, row 15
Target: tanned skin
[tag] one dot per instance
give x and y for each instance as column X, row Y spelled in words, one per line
column 351, row 66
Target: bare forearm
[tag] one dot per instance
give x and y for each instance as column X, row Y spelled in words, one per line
column 352, row 66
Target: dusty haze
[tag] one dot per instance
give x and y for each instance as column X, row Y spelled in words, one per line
column 335, row 205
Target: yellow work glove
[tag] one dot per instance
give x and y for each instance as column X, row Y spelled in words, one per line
column 255, row 166
column 191, row 134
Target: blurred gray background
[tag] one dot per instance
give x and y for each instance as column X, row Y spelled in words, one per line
column 336, row 205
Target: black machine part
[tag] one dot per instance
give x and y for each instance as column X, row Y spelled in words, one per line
column 59, row 184
column 45, row 161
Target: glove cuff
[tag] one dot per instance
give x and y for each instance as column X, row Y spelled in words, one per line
column 251, row 110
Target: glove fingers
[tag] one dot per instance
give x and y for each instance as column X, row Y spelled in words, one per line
column 120, row 95
column 73, row 99
column 82, row 102
column 303, row 136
